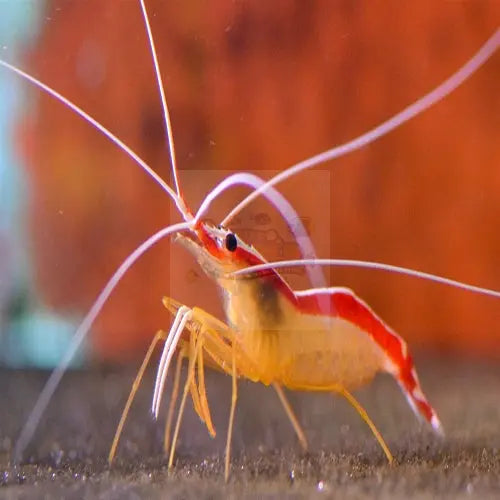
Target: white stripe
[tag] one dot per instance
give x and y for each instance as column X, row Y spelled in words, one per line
column 325, row 290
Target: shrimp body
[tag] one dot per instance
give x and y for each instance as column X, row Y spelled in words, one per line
column 315, row 340
column 322, row 339
column 299, row 349
column 314, row 353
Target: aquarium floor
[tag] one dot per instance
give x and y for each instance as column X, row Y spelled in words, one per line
column 67, row 457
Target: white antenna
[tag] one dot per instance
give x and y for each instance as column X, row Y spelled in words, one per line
column 369, row 265
column 166, row 114
column 55, row 377
column 132, row 154
column 419, row 106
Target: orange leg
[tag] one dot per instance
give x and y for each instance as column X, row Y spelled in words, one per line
column 173, row 397
column 357, row 406
column 291, row 416
column 205, row 410
column 362, row 412
column 220, row 350
column 234, row 396
column 160, row 335
column 195, row 345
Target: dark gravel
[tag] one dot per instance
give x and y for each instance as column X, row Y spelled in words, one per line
column 68, row 455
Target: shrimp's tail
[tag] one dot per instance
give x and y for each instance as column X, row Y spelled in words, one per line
column 406, row 375
column 397, row 359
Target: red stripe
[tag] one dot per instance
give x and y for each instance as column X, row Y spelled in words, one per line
column 350, row 308
column 347, row 306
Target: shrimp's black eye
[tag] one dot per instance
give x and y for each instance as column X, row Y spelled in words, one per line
column 231, row 242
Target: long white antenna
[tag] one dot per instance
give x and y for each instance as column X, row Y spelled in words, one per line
column 107, row 133
column 55, row 377
column 425, row 102
column 246, row 272
column 166, row 114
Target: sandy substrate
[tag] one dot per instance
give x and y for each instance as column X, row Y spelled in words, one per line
column 67, row 457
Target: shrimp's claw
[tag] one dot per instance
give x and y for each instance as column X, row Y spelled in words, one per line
column 172, row 305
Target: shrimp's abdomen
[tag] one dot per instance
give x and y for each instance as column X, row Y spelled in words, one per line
column 321, row 352
column 301, row 350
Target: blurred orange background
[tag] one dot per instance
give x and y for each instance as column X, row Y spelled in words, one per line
column 257, row 86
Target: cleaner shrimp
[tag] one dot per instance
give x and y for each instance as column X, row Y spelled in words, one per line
column 220, row 252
